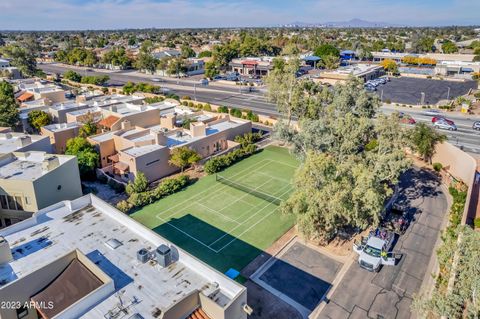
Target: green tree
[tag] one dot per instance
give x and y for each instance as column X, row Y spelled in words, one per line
column 187, row 52
column 390, row 66
column 9, row 115
column 72, row 76
column 423, row 139
column 38, row 118
column 205, row 54
column 330, row 62
column 449, row 47
column 183, row 157
column 139, row 184
column 89, row 128
column 86, row 154
column 176, row 66
column 21, row 58
column 326, row 49
column 211, row 69
column 146, row 62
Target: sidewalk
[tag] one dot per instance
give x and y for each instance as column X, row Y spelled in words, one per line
column 419, row 110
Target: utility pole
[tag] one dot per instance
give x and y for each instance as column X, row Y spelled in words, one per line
column 448, row 94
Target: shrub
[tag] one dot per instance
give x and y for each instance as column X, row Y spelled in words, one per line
column 218, row 163
column 476, row 222
column 222, row 109
column 191, row 104
column 186, row 97
column 123, row 206
column 252, row 116
column 437, row 167
column 477, row 95
column 235, row 112
column 207, row 107
column 184, row 103
column 388, row 101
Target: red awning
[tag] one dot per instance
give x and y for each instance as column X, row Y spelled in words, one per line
column 250, row 62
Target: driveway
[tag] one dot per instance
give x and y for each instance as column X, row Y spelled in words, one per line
column 389, row 293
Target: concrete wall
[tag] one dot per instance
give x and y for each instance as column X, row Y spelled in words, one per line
column 460, row 165
column 66, row 177
column 154, row 164
column 184, row 307
column 58, row 139
column 42, row 145
column 142, row 119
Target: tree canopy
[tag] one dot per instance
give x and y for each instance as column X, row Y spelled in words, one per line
column 182, row 157
column 86, row 154
column 9, row 115
column 423, row 139
column 326, row 49
column 38, row 118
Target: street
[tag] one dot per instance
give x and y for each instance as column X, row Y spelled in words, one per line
column 465, row 137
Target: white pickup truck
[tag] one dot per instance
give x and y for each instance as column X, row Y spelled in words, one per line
column 374, row 250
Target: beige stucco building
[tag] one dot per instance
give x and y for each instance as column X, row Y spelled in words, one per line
column 21, row 142
column 134, row 149
column 30, row 181
column 59, row 134
column 83, row 258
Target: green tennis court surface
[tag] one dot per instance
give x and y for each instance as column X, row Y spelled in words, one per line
column 228, row 223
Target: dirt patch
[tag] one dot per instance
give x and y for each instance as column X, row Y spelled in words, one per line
column 105, row 192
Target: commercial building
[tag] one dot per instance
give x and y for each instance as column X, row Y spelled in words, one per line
column 21, row 142
column 30, row 181
column 134, row 149
column 255, row 66
column 439, row 57
column 453, row 68
column 83, row 258
column 363, row 71
column 59, row 134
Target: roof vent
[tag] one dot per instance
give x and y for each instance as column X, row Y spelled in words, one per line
column 113, row 243
column 163, row 254
column 143, row 255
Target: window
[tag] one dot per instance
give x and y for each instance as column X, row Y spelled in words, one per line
column 8, row 221
column 11, row 202
column 3, row 201
column 22, row 312
column 59, row 187
column 152, row 162
column 27, row 200
column 19, row 202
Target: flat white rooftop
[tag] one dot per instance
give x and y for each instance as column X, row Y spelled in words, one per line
column 106, row 100
column 67, row 105
column 10, row 142
column 87, row 224
column 58, row 127
column 29, row 165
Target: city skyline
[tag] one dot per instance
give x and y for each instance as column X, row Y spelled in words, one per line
column 125, row 14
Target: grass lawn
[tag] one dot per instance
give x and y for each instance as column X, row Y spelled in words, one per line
column 220, row 224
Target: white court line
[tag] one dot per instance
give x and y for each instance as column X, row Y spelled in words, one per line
column 246, row 230
column 218, row 213
column 207, row 189
column 284, row 164
column 187, row 234
column 275, row 178
column 261, row 209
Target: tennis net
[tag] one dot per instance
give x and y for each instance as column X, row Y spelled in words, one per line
column 267, row 197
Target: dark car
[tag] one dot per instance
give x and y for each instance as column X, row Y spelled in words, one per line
column 406, row 119
column 476, row 126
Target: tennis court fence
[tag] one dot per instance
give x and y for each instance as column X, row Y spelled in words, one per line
column 267, row 197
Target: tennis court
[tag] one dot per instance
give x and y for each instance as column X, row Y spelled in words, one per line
column 230, row 218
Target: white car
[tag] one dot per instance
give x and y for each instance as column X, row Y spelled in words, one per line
column 444, row 125
column 432, row 112
column 157, row 80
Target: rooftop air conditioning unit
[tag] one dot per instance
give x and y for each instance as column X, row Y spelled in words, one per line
column 143, row 255
column 163, row 254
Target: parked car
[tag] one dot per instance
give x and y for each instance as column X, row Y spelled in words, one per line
column 157, row 80
column 444, row 125
column 375, row 250
column 204, row 82
column 441, row 118
column 476, row 126
column 370, row 88
column 432, row 112
column 406, row 119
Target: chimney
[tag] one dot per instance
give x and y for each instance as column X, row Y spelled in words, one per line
column 198, row 129
column 168, row 121
column 24, row 141
column 126, row 125
column 50, row 163
column 5, row 251
column 160, row 138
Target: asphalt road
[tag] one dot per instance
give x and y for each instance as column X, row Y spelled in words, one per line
column 256, row 101
column 389, row 293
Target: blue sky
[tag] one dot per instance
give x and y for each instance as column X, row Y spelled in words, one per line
column 111, row 14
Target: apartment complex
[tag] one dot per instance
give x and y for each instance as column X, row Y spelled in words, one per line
column 36, row 90
column 21, row 142
column 30, row 181
column 83, row 258
column 134, row 149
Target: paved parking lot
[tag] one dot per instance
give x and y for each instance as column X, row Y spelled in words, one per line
column 301, row 276
column 389, row 293
column 409, row 90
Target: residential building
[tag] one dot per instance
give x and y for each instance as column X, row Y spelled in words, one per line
column 166, row 54
column 104, row 101
column 81, row 116
column 363, row 71
column 4, row 64
column 30, row 181
column 60, row 133
column 58, row 111
column 21, row 142
column 35, row 90
column 138, row 115
column 85, row 259
column 134, row 149
column 194, row 66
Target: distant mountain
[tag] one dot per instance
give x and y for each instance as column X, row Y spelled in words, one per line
column 354, row 23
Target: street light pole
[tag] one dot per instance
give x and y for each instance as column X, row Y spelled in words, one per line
column 195, row 91
column 448, row 94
